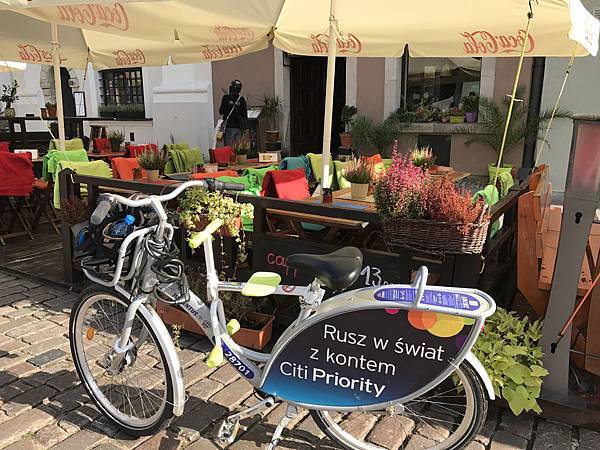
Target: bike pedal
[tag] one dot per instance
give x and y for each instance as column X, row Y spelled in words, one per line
column 228, row 432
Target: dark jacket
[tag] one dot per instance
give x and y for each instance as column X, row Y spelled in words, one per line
column 239, row 116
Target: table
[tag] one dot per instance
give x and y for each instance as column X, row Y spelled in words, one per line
column 248, row 165
column 106, row 155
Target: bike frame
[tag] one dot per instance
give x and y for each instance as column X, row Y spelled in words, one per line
column 252, row 365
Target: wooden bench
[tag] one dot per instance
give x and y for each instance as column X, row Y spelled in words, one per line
column 538, row 234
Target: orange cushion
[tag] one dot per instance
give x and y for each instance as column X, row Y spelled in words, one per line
column 222, row 173
column 40, row 184
column 374, row 159
column 123, row 168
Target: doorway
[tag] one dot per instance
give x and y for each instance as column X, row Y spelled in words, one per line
column 308, row 77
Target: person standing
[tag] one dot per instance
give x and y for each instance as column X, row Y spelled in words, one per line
column 235, row 113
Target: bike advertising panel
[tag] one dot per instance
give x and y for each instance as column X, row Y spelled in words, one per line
column 370, row 356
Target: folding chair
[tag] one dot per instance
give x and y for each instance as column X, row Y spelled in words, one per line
column 16, row 185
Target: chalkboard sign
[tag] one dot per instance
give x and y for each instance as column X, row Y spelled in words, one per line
column 270, row 254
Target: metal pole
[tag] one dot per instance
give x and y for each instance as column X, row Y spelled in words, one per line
column 58, row 86
column 331, row 50
column 533, row 112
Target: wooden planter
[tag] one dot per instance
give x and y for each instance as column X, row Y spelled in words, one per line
column 246, row 337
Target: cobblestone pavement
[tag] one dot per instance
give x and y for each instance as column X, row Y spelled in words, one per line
column 42, row 404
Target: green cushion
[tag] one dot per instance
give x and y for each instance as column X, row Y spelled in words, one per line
column 339, row 174
column 316, row 164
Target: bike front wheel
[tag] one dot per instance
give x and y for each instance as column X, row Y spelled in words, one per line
column 446, row 418
column 137, row 396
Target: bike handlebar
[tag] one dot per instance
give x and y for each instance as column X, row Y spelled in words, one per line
column 105, row 205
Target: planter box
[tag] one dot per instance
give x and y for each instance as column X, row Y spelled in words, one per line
column 246, row 337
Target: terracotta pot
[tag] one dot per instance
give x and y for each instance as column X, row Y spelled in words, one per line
column 256, row 339
column 44, row 113
column 241, row 159
column 152, row 175
column 359, row 191
column 346, row 140
column 51, row 111
column 471, row 116
column 272, row 136
column 211, row 168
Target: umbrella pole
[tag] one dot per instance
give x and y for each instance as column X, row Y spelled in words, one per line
column 58, row 86
column 331, row 50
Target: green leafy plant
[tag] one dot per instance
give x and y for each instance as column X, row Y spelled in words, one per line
column 198, row 204
column 271, row 110
column 152, row 160
column 492, row 120
column 126, row 111
column 50, row 105
column 9, row 93
column 383, row 134
column 404, row 116
column 361, row 131
column 358, row 171
column 455, row 111
column 471, row 103
column 116, row 136
column 348, row 113
column 422, row 157
column 508, row 349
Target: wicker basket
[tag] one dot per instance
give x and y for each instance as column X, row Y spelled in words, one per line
column 437, row 237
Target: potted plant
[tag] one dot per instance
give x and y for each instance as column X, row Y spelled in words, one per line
column 422, row 157
column 492, row 121
column 508, row 347
column 152, row 162
column 242, row 147
column 271, row 110
column 9, row 96
column 445, row 116
column 51, row 109
column 116, row 138
column 471, row 107
column 404, row 116
column 198, row 208
column 456, row 115
column 348, row 113
column 361, row 132
column 382, row 135
column 359, row 173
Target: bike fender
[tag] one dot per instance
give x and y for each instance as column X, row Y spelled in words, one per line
column 483, row 375
column 173, row 360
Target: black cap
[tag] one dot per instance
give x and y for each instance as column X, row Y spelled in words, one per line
column 235, row 86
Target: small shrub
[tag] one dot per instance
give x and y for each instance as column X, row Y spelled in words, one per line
column 152, row 160
column 422, row 157
column 443, row 201
column 359, row 171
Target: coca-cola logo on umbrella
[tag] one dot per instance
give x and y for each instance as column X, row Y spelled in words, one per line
column 347, row 44
column 107, row 16
column 33, row 54
column 219, row 51
column 129, row 57
column 233, row 34
column 483, row 42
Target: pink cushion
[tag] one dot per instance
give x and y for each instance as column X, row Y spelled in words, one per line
column 285, row 184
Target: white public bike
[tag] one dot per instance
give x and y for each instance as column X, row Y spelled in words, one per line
column 377, row 367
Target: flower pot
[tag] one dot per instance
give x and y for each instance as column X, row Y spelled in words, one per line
column 457, row 119
column 211, row 168
column 241, row 159
column 115, row 146
column 272, row 136
column 44, row 113
column 492, row 170
column 471, row 116
column 9, row 112
column 51, row 110
column 152, row 175
column 359, row 191
column 346, row 140
column 247, row 337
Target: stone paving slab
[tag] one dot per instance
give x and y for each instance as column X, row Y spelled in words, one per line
column 42, row 404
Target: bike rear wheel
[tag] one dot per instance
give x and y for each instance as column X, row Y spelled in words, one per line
column 446, row 418
column 138, row 396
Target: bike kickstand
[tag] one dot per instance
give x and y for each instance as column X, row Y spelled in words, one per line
column 291, row 413
column 230, row 426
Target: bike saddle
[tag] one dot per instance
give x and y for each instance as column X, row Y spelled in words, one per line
column 336, row 270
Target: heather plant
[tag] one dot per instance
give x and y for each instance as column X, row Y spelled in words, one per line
column 422, row 157
column 443, row 201
column 398, row 192
column 359, row 171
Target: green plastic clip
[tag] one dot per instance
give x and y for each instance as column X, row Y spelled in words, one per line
column 215, row 358
column 233, row 326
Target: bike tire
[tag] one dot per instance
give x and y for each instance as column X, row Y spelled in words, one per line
column 163, row 417
column 474, row 388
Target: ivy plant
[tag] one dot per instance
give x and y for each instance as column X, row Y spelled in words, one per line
column 508, row 348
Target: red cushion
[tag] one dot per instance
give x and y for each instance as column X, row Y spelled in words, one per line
column 4, row 146
column 136, row 150
column 286, row 184
column 102, row 145
column 223, row 155
column 17, row 174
